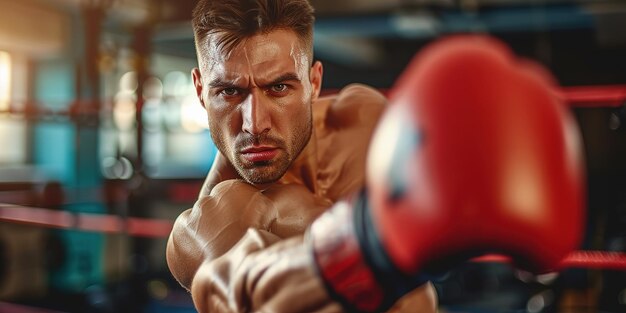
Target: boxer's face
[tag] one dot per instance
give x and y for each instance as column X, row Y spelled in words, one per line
column 258, row 99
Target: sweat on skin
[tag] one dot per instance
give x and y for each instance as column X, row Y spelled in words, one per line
column 258, row 100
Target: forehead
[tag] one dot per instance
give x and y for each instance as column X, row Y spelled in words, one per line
column 278, row 50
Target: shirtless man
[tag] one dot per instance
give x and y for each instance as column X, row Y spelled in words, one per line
column 285, row 156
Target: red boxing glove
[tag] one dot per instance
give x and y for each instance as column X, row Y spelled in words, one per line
column 475, row 154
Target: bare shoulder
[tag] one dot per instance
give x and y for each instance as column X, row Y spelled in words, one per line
column 211, row 227
column 355, row 105
column 231, row 186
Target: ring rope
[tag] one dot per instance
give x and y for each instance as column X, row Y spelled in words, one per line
column 105, row 223
column 161, row 228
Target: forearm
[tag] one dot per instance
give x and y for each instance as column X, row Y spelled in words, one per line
column 261, row 274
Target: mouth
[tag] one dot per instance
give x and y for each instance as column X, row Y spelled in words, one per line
column 259, row 153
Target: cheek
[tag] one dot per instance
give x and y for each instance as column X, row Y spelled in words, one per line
column 222, row 121
column 298, row 117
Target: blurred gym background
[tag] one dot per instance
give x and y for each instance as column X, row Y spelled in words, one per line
column 103, row 142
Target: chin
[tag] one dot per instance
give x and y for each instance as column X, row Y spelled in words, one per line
column 255, row 180
column 263, row 176
column 263, row 173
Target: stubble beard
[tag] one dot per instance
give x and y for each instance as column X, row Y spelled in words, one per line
column 265, row 172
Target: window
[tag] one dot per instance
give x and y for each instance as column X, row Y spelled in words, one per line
column 12, row 128
column 5, row 80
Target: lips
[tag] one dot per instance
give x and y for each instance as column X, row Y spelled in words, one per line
column 259, row 153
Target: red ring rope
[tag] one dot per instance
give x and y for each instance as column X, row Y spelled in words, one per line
column 608, row 96
column 134, row 226
column 161, row 228
column 15, row 308
column 595, row 96
column 577, row 96
column 607, row 260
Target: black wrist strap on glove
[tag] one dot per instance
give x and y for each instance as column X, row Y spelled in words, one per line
column 352, row 263
column 394, row 282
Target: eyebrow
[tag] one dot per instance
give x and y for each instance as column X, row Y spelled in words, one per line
column 218, row 83
column 283, row 78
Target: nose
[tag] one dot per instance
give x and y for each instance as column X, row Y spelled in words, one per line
column 256, row 114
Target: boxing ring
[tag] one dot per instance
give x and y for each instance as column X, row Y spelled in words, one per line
column 609, row 97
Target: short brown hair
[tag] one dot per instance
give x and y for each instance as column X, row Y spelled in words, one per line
column 235, row 20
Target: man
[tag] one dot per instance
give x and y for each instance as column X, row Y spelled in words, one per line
column 285, row 156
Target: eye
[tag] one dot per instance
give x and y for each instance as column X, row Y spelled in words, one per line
column 230, row 91
column 279, row 88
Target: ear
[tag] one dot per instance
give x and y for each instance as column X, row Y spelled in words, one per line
column 197, row 84
column 315, row 77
